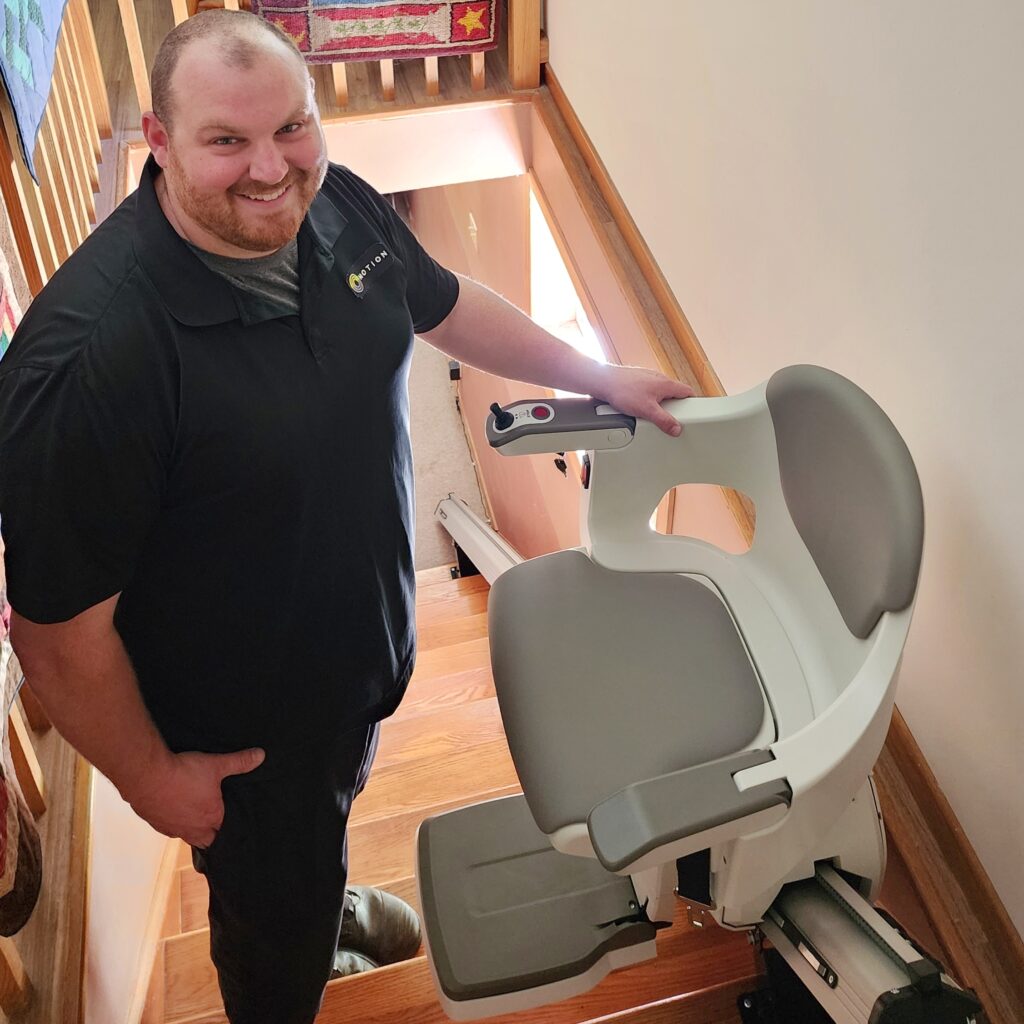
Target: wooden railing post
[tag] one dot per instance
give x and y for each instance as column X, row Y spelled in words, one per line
column 524, row 43
column 136, row 54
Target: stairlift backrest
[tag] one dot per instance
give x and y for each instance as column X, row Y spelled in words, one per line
column 839, row 455
column 851, row 489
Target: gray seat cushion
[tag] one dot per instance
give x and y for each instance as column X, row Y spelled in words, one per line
column 608, row 678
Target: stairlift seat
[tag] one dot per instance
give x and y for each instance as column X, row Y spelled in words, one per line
column 663, row 698
column 610, row 677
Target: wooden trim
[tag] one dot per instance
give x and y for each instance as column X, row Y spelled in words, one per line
column 981, row 945
column 679, row 325
column 179, row 9
column 150, row 948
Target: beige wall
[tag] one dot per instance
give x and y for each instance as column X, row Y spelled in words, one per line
column 841, row 183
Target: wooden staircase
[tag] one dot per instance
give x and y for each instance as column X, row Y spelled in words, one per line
column 445, row 748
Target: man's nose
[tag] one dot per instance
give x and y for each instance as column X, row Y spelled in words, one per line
column 267, row 164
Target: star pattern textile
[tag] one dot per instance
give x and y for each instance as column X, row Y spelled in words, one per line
column 330, row 31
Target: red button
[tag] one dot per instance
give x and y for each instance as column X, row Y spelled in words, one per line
column 540, row 412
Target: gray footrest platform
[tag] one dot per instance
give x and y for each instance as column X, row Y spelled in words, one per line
column 504, row 912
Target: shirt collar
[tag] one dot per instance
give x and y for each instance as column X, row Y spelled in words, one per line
column 195, row 295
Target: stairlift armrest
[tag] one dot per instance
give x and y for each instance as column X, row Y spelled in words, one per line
column 558, row 425
column 662, row 811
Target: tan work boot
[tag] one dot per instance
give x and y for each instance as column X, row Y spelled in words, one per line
column 378, row 925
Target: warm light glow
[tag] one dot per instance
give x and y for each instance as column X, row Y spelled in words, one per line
column 555, row 304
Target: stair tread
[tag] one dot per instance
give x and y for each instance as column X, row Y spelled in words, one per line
column 440, row 733
column 441, row 588
column 428, row 781
column 456, row 657
column 445, row 633
column 442, row 608
column 445, row 691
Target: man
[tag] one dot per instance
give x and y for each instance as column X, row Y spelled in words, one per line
column 205, row 485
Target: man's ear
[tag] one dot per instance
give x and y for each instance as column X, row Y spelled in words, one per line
column 157, row 136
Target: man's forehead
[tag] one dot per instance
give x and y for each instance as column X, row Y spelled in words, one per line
column 221, row 95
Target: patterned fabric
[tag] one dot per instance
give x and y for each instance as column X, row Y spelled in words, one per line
column 29, row 30
column 10, row 313
column 21, row 858
column 21, row 862
column 328, row 31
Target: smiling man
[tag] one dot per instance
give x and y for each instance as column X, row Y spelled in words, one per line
column 206, row 496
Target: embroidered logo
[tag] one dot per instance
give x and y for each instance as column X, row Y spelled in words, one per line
column 361, row 276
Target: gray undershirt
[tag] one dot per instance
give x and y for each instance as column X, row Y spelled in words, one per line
column 273, row 279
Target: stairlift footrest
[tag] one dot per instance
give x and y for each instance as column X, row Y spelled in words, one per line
column 661, row 811
column 511, row 923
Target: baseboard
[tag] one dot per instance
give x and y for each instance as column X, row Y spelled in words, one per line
column 980, row 944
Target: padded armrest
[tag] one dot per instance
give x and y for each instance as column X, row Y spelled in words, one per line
column 649, row 814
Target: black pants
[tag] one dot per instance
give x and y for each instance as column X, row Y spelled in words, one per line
column 277, row 872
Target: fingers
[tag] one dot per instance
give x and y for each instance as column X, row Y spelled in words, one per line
column 664, row 422
column 240, row 762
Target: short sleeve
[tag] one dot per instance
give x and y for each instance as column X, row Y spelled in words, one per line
column 82, row 469
column 432, row 290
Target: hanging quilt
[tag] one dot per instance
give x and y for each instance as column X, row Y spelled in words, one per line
column 21, row 859
column 329, row 31
column 29, row 30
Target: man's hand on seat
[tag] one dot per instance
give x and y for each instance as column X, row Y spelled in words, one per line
column 640, row 392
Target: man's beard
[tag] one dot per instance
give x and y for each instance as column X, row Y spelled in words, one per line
column 217, row 213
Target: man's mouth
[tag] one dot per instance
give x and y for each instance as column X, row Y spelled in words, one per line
column 264, row 197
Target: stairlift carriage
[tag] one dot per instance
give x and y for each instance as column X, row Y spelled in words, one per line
column 683, row 719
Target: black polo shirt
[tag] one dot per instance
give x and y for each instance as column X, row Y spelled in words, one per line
column 242, row 478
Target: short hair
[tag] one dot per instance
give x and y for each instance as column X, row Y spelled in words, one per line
column 241, row 36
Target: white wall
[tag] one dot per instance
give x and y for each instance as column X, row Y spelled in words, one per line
column 125, row 861
column 841, row 183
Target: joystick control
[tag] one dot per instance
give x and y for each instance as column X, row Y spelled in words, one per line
column 502, row 420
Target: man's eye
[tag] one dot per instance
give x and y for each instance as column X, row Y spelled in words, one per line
column 225, row 140
column 290, row 129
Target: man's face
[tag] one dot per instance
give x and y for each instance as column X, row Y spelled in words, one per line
column 246, row 154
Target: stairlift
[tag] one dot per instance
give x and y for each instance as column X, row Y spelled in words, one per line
column 691, row 723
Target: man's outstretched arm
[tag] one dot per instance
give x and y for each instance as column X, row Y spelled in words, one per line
column 489, row 333
column 81, row 673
